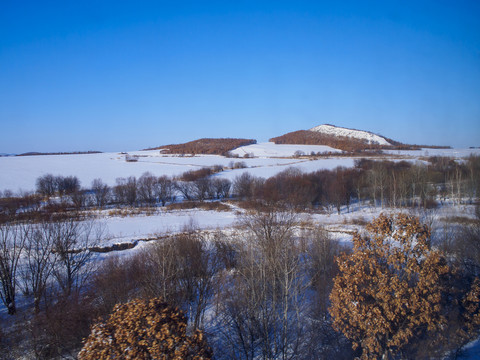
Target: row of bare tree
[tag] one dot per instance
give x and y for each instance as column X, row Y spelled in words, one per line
column 46, row 255
column 379, row 183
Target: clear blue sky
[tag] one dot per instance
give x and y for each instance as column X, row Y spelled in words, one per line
column 125, row 75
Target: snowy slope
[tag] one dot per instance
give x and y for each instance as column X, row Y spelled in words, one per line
column 270, row 149
column 357, row 134
column 20, row 172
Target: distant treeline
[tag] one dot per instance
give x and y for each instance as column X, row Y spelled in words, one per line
column 377, row 183
column 60, row 153
column 205, row 146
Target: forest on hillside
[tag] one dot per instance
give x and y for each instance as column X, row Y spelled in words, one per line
column 219, row 146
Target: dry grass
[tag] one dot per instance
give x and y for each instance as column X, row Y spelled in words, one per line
column 360, row 221
column 126, row 212
column 187, row 205
column 462, row 220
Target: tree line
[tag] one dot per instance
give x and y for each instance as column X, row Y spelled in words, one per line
column 374, row 183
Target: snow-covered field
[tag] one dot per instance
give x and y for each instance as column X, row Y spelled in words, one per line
column 270, row 149
column 130, row 228
column 126, row 229
column 20, row 172
column 454, row 153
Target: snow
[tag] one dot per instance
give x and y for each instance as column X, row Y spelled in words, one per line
column 454, row 153
column 270, row 149
column 126, row 229
column 340, row 226
column 20, row 172
column 471, row 351
column 357, row 134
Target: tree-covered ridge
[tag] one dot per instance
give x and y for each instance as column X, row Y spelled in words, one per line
column 206, row 146
column 349, row 144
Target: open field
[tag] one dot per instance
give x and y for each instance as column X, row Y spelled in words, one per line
column 20, row 173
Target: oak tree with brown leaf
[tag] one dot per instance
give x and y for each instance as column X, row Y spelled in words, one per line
column 144, row 329
column 388, row 290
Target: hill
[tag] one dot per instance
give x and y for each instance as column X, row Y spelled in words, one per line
column 340, row 138
column 364, row 136
column 205, row 146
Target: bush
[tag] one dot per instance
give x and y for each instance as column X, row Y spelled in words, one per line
column 58, row 331
column 388, row 291
column 144, row 329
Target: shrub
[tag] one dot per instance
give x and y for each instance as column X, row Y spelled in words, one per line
column 388, row 291
column 144, row 329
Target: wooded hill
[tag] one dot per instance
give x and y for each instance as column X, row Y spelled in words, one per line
column 206, row 146
column 350, row 144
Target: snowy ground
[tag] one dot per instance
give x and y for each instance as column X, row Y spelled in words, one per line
column 341, row 226
column 455, row 153
column 20, row 173
column 127, row 229
column 270, row 149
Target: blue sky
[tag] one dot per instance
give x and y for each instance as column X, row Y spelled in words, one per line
column 126, row 75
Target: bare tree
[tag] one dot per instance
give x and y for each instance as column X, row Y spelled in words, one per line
column 246, row 185
column 221, row 187
column 467, row 246
column 146, row 188
column 322, row 249
column 126, row 190
column 165, row 189
column 473, row 166
column 261, row 307
column 67, row 185
column 46, row 185
column 72, row 242
column 12, row 242
column 39, row 261
column 197, row 267
column 117, row 280
column 186, row 188
column 161, row 270
column 101, row 192
column 203, row 189
column 79, row 199
column 181, row 270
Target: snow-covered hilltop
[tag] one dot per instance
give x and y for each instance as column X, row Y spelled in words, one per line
column 369, row 137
